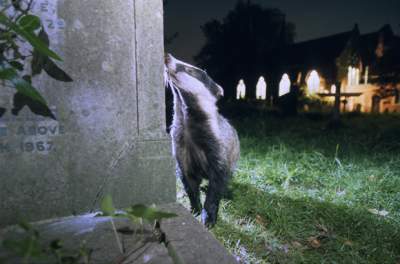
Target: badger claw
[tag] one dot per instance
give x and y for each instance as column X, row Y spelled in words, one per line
column 196, row 211
column 208, row 219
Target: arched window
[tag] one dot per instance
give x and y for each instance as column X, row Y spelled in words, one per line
column 333, row 88
column 284, row 85
column 313, row 82
column 353, row 76
column 241, row 90
column 261, row 89
column 366, row 75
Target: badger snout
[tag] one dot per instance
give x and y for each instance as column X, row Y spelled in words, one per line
column 168, row 65
column 167, row 58
column 170, row 62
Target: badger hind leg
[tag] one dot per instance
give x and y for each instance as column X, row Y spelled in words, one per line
column 218, row 180
column 192, row 188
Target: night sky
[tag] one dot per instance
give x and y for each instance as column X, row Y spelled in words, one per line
column 313, row 18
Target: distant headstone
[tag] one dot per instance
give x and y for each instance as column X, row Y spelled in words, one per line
column 109, row 136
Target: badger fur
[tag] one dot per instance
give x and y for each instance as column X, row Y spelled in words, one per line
column 204, row 144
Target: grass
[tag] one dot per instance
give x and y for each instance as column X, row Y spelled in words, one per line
column 306, row 194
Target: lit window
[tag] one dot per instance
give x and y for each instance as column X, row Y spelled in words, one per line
column 261, row 89
column 284, row 85
column 357, row 76
column 313, row 82
column 353, row 76
column 241, row 90
column 333, row 88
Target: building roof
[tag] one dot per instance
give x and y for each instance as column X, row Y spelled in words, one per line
column 369, row 42
column 317, row 52
column 322, row 53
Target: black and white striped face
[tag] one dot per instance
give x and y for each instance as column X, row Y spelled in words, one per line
column 190, row 78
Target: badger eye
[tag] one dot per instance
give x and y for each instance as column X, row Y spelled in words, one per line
column 190, row 71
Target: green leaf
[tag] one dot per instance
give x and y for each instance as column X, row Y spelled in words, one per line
column 28, row 90
column 17, row 65
column 38, row 59
column 17, row 54
column 16, row 4
column 7, row 74
column 28, row 246
column 56, row 245
column 55, row 72
column 14, row 246
column 40, row 62
column 37, row 63
column 20, row 100
column 34, row 40
column 27, row 78
column 22, row 86
column 148, row 213
column 134, row 219
column 107, row 207
column 29, row 23
column 44, row 37
column 25, row 225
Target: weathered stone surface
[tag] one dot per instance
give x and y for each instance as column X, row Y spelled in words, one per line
column 109, row 136
column 150, row 59
column 150, row 253
column 190, row 242
column 96, row 234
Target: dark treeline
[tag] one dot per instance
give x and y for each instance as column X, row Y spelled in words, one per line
column 245, row 45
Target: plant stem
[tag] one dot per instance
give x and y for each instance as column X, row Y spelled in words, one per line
column 28, row 252
column 117, row 237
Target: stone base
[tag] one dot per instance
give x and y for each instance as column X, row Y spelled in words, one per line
column 181, row 240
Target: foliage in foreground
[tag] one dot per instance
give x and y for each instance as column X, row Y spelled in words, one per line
column 29, row 247
column 136, row 214
column 23, row 43
column 306, row 194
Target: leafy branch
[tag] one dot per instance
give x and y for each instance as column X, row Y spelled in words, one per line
column 30, row 250
column 24, row 41
column 136, row 214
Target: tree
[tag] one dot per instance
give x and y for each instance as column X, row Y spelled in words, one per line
column 244, row 45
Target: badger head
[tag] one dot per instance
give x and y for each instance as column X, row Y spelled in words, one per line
column 190, row 79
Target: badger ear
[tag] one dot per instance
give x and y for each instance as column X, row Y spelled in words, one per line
column 220, row 92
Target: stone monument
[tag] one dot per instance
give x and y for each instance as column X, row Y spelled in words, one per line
column 109, row 136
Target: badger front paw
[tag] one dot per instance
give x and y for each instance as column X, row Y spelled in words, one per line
column 208, row 218
column 196, row 210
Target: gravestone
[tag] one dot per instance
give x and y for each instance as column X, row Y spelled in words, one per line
column 109, row 136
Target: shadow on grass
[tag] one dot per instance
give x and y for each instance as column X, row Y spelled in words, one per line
column 309, row 231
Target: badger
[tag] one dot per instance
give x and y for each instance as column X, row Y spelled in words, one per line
column 204, row 144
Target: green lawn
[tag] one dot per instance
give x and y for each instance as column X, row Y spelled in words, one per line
column 306, row 194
